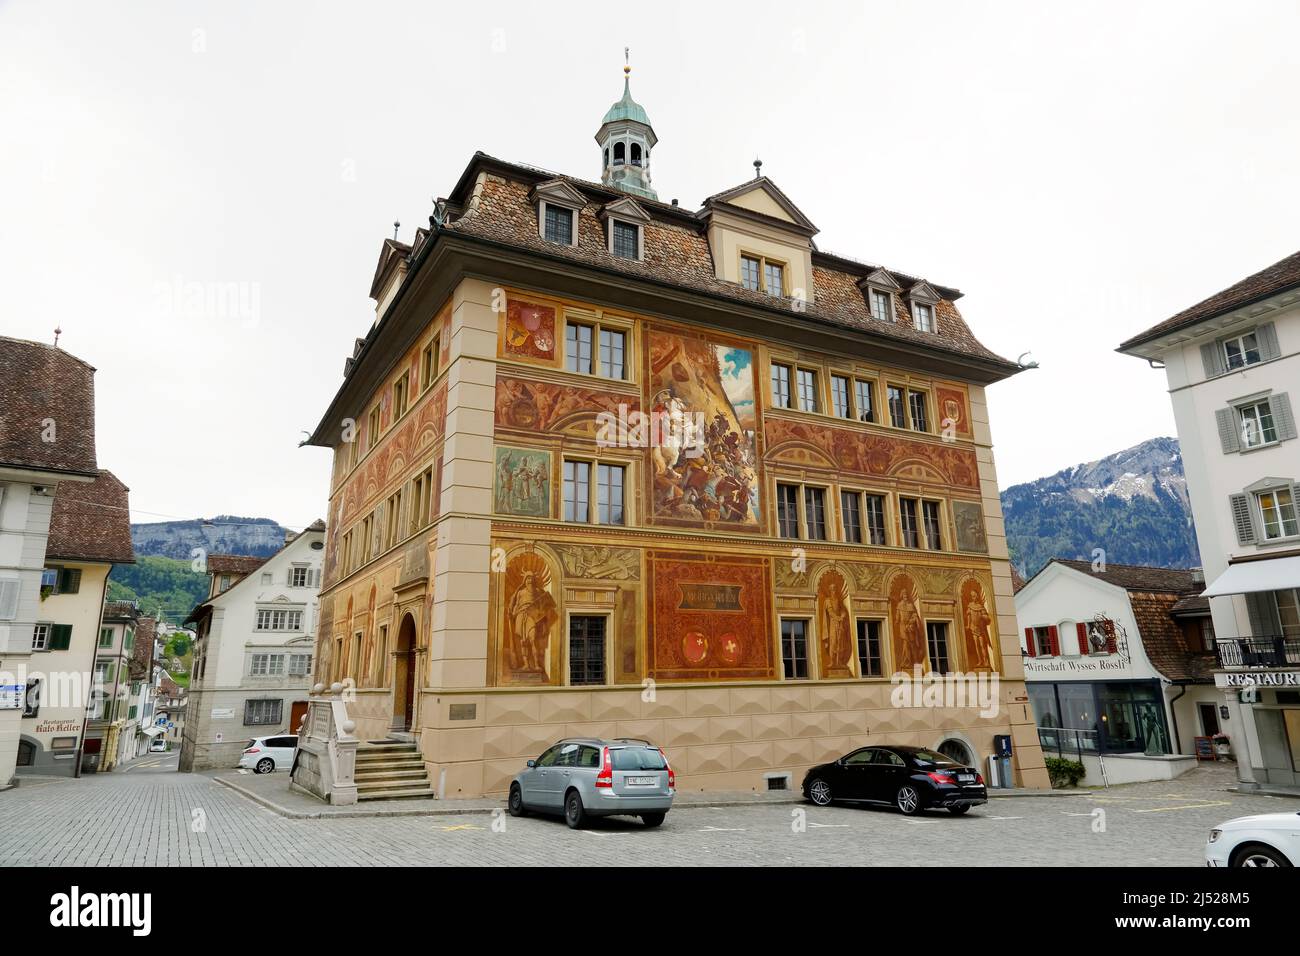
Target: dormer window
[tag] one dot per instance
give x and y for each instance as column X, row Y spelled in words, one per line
column 558, row 206
column 923, row 299
column 882, row 306
column 762, row 275
column 558, row 224
column 625, row 222
column 625, row 239
column 879, row 289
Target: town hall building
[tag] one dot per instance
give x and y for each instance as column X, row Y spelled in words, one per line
column 605, row 465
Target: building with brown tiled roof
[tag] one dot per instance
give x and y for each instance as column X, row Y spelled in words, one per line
column 90, row 531
column 49, row 612
column 1231, row 362
column 225, row 570
column 1119, row 662
column 253, row 647
column 520, row 525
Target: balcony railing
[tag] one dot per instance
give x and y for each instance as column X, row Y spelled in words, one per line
column 1264, row 651
column 1063, row 742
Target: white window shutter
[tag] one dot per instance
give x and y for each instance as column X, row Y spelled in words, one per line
column 1212, row 359
column 9, row 600
column 1283, row 418
column 1229, row 436
column 1266, row 339
column 1242, row 518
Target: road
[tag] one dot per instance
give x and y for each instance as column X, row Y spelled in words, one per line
column 150, row 816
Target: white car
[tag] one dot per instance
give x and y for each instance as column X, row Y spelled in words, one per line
column 158, row 746
column 267, row 754
column 1269, row 839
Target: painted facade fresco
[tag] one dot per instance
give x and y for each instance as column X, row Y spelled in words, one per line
column 953, row 410
column 522, row 483
column 709, row 617
column 869, row 454
column 907, row 626
column 531, row 621
column 398, row 453
column 599, row 562
column 530, row 331
column 968, row 518
column 526, row 405
column 979, row 627
column 835, row 625
column 706, row 472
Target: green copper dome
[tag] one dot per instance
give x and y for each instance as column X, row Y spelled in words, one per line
column 626, row 108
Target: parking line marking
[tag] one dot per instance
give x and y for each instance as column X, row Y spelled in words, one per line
column 833, row 825
column 721, row 830
column 1004, row 818
column 1192, row 806
column 459, row 826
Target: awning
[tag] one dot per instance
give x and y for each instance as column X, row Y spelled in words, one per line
column 151, row 731
column 1273, row 574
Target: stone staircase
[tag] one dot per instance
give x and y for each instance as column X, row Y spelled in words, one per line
column 391, row 770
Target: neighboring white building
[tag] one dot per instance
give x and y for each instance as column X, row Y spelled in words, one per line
column 47, row 436
column 252, row 660
column 90, row 532
column 1119, row 662
column 1232, row 363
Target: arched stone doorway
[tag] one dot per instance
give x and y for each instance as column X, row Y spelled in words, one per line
column 959, row 751
column 404, row 675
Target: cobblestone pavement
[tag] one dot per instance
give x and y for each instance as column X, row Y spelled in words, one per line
column 145, row 818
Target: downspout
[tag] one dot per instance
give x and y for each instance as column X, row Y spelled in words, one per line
column 1173, row 714
column 94, row 644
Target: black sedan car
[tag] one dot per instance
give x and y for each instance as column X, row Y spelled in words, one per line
column 910, row 778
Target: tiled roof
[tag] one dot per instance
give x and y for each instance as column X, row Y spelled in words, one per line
column 47, row 408
column 1191, row 604
column 1154, row 593
column 142, row 652
column 168, row 687
column 121, row 610
column 1278, row 277
column 238, row 564
column 1137, row 578
column 91, row 521
column 676, row 251
column 1164, row 641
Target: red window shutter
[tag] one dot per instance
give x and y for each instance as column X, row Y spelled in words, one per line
column 1111, row 645
column 1054, row 640
column 1081, row 629
column 1029, row 641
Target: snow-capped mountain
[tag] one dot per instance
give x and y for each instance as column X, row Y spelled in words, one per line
column 1132, row 504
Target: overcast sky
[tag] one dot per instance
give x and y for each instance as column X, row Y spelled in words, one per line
column 1079, row 171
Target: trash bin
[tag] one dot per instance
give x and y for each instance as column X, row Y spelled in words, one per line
column 90, row 763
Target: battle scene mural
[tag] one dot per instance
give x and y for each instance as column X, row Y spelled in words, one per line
column 709, row 617
column 522, row 483
column 525, row 405
column 530, row 621
column 869, row 454
column 704, row 471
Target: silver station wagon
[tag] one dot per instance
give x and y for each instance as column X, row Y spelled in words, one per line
column 583, row 777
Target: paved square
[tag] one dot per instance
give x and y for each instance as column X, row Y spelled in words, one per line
column 152, row 816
